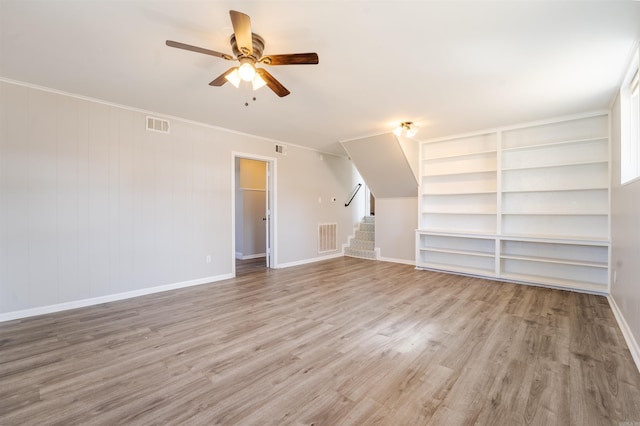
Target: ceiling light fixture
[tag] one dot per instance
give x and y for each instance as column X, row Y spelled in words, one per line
column 234, row 78
column 406, row 128
column 246, row 70
column 241, row 74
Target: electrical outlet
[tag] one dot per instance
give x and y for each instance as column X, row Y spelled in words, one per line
column 208, row 258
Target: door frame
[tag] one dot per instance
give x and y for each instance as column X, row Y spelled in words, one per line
column 271, row 237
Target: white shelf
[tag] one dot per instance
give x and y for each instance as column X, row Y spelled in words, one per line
column 459, row 213
column 574, row 239
column 455, row 195
column 556, row 261
column 557, row 213
column 549, row 166
column 461, row 193
column 552, row 144
column 463, row 252
column 455, row 268
column 463, row 172
column 592, row 188
column 461, row 155
column 456, row 234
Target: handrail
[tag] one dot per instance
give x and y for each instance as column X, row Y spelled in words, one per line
column 353, row 194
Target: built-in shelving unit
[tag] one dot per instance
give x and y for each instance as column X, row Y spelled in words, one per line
column 527, row 203
column 459, row 185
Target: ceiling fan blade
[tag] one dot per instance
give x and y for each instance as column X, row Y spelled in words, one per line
column 291, row 59
column 242, row 30
column 179, row 45
column 273, row 84
column 221, row 79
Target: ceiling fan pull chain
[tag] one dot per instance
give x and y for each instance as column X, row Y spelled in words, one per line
column 246, row 88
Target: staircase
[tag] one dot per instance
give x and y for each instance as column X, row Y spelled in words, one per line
column 362, row 245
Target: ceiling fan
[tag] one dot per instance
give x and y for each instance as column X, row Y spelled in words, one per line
column 247, row 48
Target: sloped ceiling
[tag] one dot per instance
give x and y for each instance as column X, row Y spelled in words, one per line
column 450, row 66
column 383, row 165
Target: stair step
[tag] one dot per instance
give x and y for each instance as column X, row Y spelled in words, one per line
column 362, row 244
column 364, row 235
column 369, row 227
column 365, row 254
column 369, row 219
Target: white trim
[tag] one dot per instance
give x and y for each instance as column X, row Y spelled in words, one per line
column 312, row 260
column 155, row 113
column 252, row 256
column 626, row 331
column 272, row 183
column 41, row 310
column 623, row 72
column 392, row 260
column 634, row 180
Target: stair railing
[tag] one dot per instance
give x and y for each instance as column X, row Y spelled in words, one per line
column 353, row 194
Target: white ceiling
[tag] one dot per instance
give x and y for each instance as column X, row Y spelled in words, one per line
column 450, row 66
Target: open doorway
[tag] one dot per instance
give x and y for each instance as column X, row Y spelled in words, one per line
column 369, row 203
column 253, row 215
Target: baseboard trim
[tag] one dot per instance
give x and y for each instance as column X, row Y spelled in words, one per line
column 402, row 261
column 253, row 256
column 626, row 331
column 306, row 261
column 49, row 309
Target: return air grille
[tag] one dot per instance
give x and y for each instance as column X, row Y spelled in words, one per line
column 327, row 237
column 155, row 124
column 281, row 149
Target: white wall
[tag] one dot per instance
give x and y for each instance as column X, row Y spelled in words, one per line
column 309, row 185
column 625, row 242
column 396, row 223
column 92, row 204
column 254, row 227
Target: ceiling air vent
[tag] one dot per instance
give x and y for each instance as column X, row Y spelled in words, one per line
column 281, row 149
column 155, row 124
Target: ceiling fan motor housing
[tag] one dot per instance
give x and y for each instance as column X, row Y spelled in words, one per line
column 257, row 44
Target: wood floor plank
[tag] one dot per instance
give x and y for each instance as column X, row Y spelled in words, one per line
column 344, row 341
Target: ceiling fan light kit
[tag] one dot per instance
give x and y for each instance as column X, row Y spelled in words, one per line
column 406, row 128
column 247, row 48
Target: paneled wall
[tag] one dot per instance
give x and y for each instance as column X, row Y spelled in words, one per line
column 93, row 205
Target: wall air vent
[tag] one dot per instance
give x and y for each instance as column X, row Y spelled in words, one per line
column 327, row 237
column 155, row 124
column 281, row 149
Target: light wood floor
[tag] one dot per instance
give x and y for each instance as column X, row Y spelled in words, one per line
column 345, row 341
column 248, row 266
